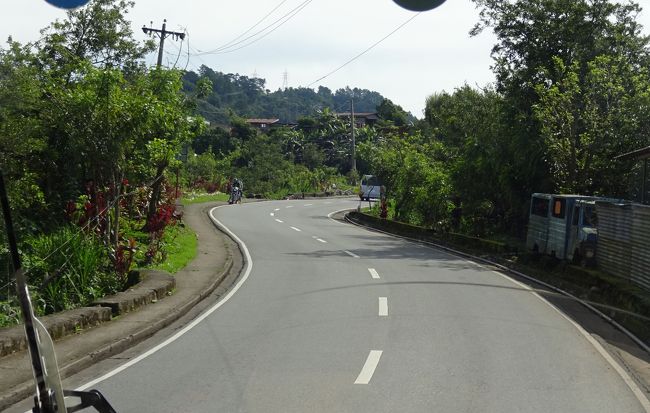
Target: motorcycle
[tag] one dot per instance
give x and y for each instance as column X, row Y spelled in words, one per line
column 235, row 195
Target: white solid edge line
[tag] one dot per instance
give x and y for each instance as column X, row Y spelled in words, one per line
column 369, row 367
column 633, row 386
column 196, row 321
column 296, row 229
column 374, row 273
column 383, row 306
column 336, row 212
column 279, row 220
column 321, row 240
column 351, row 254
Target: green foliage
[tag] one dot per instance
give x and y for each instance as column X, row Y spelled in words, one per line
column 197, row 198
column 587, row 123
column 481, row 158
column 180, row 246
column 81, row 116
column 201, row 168
column 215, row 139
column 98, row 33
column 388, row 111
column 415, row 177
column 248, row 97
column 71, row 276
column 9, row 313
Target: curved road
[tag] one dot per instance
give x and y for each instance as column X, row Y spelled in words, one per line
column 335, row 318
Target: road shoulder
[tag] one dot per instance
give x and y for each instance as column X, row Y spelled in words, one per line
column 218, row 257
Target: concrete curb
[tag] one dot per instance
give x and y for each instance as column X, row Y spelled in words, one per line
column 24, row 390
column 154, row 286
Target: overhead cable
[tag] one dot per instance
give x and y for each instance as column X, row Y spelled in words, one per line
column 273, row 26
column 252, row 27
column 365, row 51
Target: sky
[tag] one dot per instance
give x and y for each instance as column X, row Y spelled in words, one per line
column 431, row 53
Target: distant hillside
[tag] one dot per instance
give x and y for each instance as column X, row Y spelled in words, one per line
column 248, row 97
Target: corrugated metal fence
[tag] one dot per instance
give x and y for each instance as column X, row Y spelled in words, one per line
column 624, row 241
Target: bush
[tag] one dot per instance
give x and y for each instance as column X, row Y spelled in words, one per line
column 9, row 313
column 68, row 269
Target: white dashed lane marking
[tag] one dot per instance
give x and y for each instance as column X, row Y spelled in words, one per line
column 383, row 306
column 369, row 367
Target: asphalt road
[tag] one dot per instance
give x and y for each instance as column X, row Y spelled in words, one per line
column 335, row 318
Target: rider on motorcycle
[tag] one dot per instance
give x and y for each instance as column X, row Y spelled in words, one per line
column 236, row 191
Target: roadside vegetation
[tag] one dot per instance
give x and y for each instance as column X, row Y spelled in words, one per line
column 96, row 147
column 88, row 138
column 197, row 198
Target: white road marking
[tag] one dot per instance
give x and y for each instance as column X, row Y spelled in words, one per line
column 272, row 214
column 290, row 206
column 369, row 367
column 383, row 306
column 276, row 209
column 374, row 273
column 327, row 203
column 196, row 321
column 308, row 204
column 629, row 381
column 279, row 220
column 336, row 212
column 321, row 240
column 296, row 229
column 351, row 254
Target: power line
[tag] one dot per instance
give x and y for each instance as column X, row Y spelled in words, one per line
column 180, row 50
column 188, row 52
column 277, row 23
column 365, row 51
column 253, row 26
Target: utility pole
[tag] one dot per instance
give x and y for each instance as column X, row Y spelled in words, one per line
column 354, row 144
column 162, row 34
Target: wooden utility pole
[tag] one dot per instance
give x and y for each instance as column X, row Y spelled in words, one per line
column 162, row 34
column 354, row 144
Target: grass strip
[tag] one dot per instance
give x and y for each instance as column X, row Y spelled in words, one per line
column 181, row 247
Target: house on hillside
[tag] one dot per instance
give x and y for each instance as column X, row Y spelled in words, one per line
column 360, row 118
column 263, row 124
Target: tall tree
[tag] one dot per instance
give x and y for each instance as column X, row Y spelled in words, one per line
column 536, row 41
column 98, row 33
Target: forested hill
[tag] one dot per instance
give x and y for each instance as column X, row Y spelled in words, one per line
column 248, row 97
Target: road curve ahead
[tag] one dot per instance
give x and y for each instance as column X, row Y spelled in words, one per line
column 334, row 318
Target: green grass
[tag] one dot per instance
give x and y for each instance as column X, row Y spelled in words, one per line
column 181, row 246
column 190, row 199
